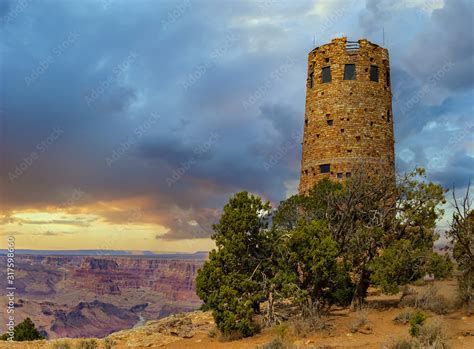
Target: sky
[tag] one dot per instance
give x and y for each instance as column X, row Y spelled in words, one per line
column 127, row 125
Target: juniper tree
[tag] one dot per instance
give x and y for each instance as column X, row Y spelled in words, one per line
column 230, row 282
column 461, row 234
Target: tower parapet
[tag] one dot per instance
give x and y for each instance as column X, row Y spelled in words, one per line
column 348, row 116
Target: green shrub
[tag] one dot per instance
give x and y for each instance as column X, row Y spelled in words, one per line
column 24, row 331
column 416, row 321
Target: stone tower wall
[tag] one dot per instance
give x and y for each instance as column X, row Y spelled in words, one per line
column 347, row 122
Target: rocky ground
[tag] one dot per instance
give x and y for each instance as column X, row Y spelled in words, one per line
column 196, row 330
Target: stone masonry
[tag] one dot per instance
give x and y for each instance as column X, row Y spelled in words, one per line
column 348, row 117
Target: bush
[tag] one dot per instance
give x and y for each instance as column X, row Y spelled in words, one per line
column 416, row 321
column 212, row 333
column 301, row 327
column 403, row 318
column 402, row 343
column 282, row 331
column 274, row 344
column 24, row 331
column 87, row 344
column 433, row 335
column 429, row 299
column 360, row 320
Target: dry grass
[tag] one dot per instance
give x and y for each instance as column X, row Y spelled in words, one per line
column 279, row 344
column 431, row 336
column 403, row 318
column 429, row 299
column 402, row 343
column 61, row 345
column 361, row 321
column 87, row 344
column 301, row 327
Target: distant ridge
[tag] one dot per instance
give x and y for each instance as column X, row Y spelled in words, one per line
column 173, row 255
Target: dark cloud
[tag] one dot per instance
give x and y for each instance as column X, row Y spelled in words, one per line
column 444, row 51
column 227, row 81
column 458, row 172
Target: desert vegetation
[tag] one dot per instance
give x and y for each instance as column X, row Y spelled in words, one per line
column 24, row 331
column 326, row 249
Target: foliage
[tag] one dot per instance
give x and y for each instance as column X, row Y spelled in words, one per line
column 440, row 266
column 319, row 278
column 325, row 248
column 462, row 237
column 24, row 331
column 416, row 321
column 230, row 283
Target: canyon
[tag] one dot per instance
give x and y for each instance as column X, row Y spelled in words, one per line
column 93, row 296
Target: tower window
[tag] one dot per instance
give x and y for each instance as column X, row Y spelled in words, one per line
column 311, row 80
column 349, row 72
column 342, row 130
column 387, row 72
column 374, row 73
column 371, row 123
column 358, row 138
column 326, row 74
column 327, row 60
column 348, row 174
column 339, row 175
column 330, row 122
column 326, row 168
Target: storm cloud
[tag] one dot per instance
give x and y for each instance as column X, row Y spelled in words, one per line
column 195, row 101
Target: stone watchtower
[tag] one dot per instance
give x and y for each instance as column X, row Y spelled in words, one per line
column 348, row 117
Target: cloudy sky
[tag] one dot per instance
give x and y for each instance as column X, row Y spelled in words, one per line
column 128, row 124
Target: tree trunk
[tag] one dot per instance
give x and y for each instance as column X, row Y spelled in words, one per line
column 361, row 291
column 270, row 310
